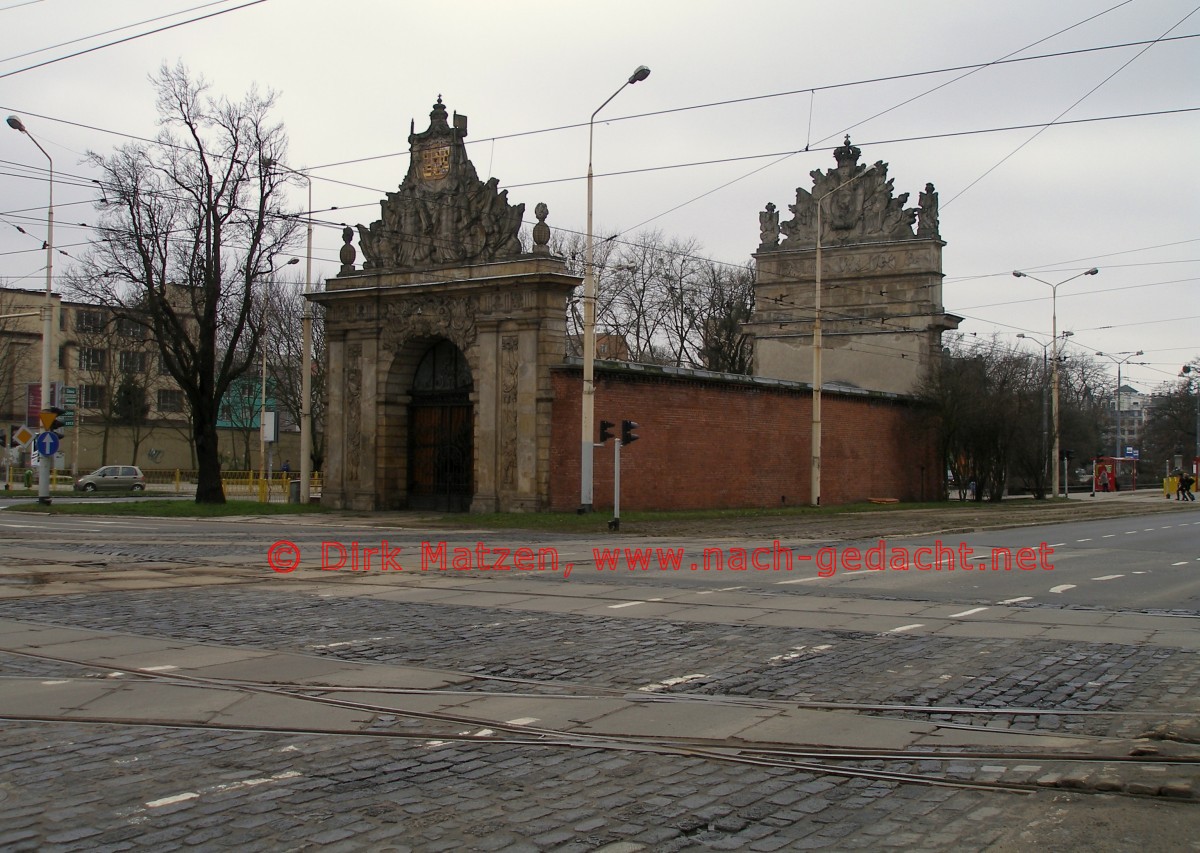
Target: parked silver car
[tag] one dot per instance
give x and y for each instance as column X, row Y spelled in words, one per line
column 112, row 478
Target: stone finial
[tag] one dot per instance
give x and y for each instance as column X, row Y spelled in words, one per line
column 847, row 154
column 768, row 226
column 927, row 217
column 541, row 231
column 347, row 254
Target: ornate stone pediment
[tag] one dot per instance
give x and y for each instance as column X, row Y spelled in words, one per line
column 442, row 213
column 855, row 209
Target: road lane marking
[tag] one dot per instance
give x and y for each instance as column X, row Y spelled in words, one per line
column 1128, row 532
column 1056, row 545
column 905, row 628
column 1108, row 536
column 631, row 603
column 1016, row 600
column 967, row 612
column 1108, row 577
column 522, row 721
column 671, row 682
column 1083, row 540
column 1062, row 587
column 1182, row 563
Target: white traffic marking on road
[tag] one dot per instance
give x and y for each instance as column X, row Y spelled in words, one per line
column 671, row 682
column 1108, row 536
column 905, row 628
column 1056, row 545
column 522, row 721
column 1146, row 573
column 785, row 583
column 1183, row 563
column 1108, row 577
column 1062, row 587
column 1083, row 540
column 1128, row 532
column 1016, row 600
column 967, row 612
column 60, row 681
column 163, row 668
column 631, row 603
column 167, row 801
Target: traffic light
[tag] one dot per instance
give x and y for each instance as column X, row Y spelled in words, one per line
column 57, row 426
column 605, row 431
column 627, row 433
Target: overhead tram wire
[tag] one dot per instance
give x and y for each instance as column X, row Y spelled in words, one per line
column 1082, row 98
column 129, row 39
column 105, row 32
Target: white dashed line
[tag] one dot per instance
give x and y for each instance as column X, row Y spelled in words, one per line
column 167, row 801
column 1016, row 600
column 671, row 682
column 631, row 603
column 905, row 628
column 522, row 721
column 1108, row 536
column 1083, row 540
column 1056, row 545
column 967, row 612
column 1108, row 577
column 1183, row 563
column 1062, row 587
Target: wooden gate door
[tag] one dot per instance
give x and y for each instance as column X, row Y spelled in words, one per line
column 441, row 423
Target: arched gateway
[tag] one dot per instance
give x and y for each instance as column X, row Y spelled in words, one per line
column 440, row 347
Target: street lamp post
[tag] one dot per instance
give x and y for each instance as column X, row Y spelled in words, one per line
column 306, row 365
column 1119, row 361
column 1187, row 371
column 589, row 319
column 1045, row 392
column 1054, row 341
column 47, row 310
column 817, row 378
column 264, row 488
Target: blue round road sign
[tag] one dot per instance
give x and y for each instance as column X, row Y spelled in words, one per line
column 46, row 443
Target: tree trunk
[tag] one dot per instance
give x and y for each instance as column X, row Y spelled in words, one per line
column 208, row 463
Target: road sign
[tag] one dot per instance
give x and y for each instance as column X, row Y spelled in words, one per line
column 67, row 419
column 47, row 419
column 23, row 436
column 70, row 396
column 46, row 443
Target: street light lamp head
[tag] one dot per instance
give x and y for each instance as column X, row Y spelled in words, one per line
column 16, row 124
column 1020, row 334
column 1018, row 274
column 1092, row 271
column 639, row 74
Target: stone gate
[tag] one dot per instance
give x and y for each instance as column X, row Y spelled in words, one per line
column 440, row 345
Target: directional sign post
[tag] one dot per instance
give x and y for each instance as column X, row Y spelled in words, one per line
column 46, row 443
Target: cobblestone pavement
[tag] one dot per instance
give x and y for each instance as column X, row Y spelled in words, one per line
column 751, row 661
column 104, row 787
column 113, row 786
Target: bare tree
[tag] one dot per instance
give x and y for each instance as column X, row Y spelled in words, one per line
column 189, row 225
column 285, row 361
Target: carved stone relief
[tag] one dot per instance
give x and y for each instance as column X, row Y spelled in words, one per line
column 509, row 365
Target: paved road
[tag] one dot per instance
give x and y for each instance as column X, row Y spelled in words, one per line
column 111, row 627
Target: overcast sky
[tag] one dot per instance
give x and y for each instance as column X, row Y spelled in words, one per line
column 1112, row 184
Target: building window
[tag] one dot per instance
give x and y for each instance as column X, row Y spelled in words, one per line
column 89, row 321
column 62, row 358
column 92, row 396
column 133, row 362
column 129, row 329
column 91, row 358
column 170, row 400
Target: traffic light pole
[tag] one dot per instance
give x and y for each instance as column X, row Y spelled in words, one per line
column 616, row 522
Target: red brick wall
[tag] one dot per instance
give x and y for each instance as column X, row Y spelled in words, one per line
column 714, row 444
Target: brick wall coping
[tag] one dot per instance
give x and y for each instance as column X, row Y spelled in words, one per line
column 633, row 369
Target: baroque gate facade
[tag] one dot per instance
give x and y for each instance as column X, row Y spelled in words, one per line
column 440, row 344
